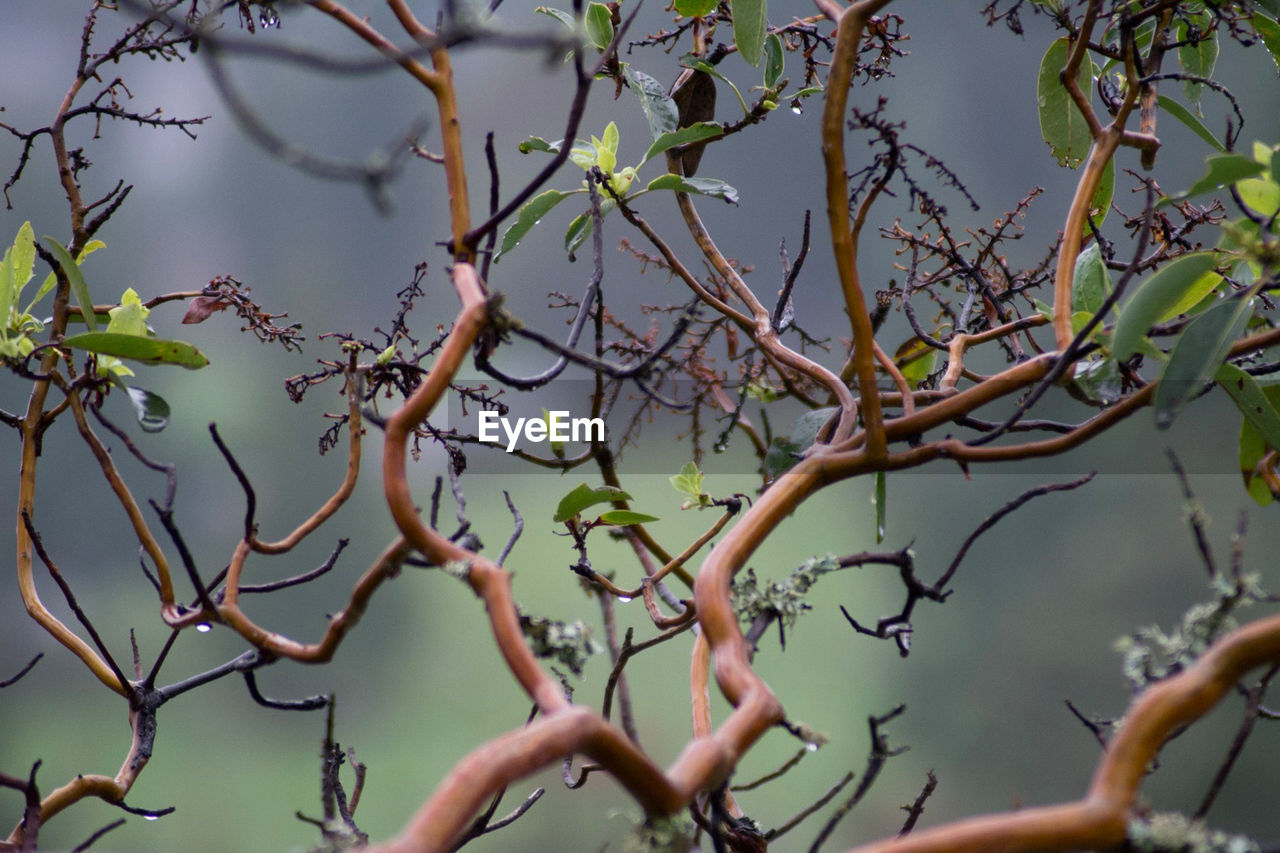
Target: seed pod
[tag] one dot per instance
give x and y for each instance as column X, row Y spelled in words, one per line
column 695, row 95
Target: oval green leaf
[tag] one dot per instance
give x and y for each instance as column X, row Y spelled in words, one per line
column 624, row 517
column 1223, row 169
column 599, row 25
column 149, row 408
column 1197, row 59
column 1061, row 123
column 749, row 27
column 529, row 216
column 134, row 348
column 1185, row 116
column 694, row 133
column 1269, row 31
column 1197, row 356
column 1091, row 282
column 696, row 8
column 658, row 108
column 583, row 496
column 1253, row 403
column 774, row 60
column 700, row 186
column 78, row 286
column 1155, row 297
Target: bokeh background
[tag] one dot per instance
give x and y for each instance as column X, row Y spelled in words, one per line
column 1039, row 601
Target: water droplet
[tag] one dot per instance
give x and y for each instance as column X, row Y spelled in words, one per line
column 150, row 817
column 811, row 746
column 797, row 109
column 203, row 628
column 268, row 18
column 719, row 447
column 624, row 599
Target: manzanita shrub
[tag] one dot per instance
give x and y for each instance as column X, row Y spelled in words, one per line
column 1156, row 291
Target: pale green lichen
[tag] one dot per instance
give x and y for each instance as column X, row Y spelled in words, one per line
column 567, row 643
column 1170, row 832
column 1150, row 654
column 662, row 835
column 782, row 599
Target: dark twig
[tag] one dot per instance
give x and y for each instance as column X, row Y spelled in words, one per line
column 1252, row 702
column 125, row 687
column 880, row 752
column 769, row 777
column 811, row 808
column 31, row 811
column 1195, row 515
column 991, row 520
column 311, row 703
column 147, row 813
column 1068, row 356
column 917, row 808
column 589, row 299
column 169, row 470
column 30, row 665
column 188, row 562
column 89, row 842
column 783, row 313
column 517, row 528
column 305, row 577
column 626, row 653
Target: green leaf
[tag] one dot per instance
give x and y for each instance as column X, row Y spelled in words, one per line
column 700, row 186
column 1185, row 116
column 130, row 316
column 146, row 350
column 577, row 233
column 707, row 68
column 1196, row 293
column 804, row 429
column 1223, row 169
column 696, row 8
column 1197, row 355
column 688, row 481
column 1100, row 204
column 1197, row 59
column 781, row 456
column 78, row 286
column 693, row 133
column 1155, row 297
column 1253, row 447
column 537, row 143
column 1252, row 402
column 916, row 360
column 658, row 108
column 599, row 25
column 559, row 14
column 7, row 290
column 749, row 28
column 1269, row 31
column 1262, row 195
column 50, row 280
column 879, row 501
column 529, row 216
column 624, row 517
column 149, row 408
column 774, row 60
column 1061, row 123
column 583, row 496
column 23, row 258
column 1091, row 282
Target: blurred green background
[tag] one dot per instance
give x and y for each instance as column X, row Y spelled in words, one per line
column 1039, row 601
